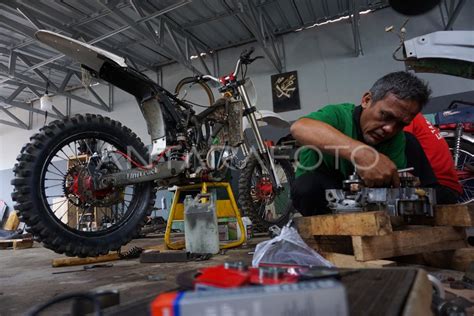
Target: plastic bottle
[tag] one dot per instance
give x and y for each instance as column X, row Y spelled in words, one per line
column 248, row 229
column 201, row 231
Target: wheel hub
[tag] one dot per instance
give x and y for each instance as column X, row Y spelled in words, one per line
column 264, row 189
column 79, row 188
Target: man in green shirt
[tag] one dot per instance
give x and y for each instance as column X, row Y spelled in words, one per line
column 369, row 136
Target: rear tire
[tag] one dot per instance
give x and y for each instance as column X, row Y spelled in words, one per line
column 32, row 184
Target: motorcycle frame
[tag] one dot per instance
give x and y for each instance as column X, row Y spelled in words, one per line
column 160, row 108
column 164, row 121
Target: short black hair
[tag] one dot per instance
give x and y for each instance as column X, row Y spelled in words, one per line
column 403, row 85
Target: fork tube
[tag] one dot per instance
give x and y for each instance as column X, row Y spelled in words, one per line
column 261, row 146
column 253, row 121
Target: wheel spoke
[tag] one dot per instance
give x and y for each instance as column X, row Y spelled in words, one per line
column 51, row 204
column 61, row 174
column 65, row 155
column 75, row 148
column 52, row 196
column 57, row 208
column 88, row 148
column 52, row 186
column 72, row 150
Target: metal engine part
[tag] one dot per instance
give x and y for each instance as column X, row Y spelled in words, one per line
column 407, row 200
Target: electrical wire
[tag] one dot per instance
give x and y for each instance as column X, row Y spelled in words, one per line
column 91, row 297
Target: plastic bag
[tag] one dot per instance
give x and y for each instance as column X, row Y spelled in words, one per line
column 288, row 248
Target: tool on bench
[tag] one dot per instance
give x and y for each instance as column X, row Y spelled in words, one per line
column 172, row 256
column 87, row 267
column 407, row 200
column 238, row 274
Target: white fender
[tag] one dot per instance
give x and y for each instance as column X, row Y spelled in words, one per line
column 442, row 44
column 86, row 54
column 265, row 117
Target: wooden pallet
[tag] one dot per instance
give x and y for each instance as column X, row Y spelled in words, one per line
column 16, row 243
column 362, row 239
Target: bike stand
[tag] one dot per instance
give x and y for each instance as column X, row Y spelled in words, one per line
column 225, row 208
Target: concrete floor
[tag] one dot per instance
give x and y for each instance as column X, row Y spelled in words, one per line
column 26, row 277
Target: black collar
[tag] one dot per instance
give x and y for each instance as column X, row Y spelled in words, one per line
column 356, row 120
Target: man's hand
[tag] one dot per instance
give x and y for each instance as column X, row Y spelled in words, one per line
column 376, row 169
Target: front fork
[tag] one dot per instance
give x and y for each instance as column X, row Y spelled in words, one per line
column 262, row 149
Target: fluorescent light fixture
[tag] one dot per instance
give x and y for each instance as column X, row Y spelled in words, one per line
column 345, row 17
column 196, row 56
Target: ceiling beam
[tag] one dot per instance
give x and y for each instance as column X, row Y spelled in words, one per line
column 355, row 19
column 11, row 124
column 177, row 55
column 38, row 84
column 183, row 32
column 259, row 28
column 155, row 36
column 454, row 14
column 37, row 72
column 30, row 16
column 27, row 107
column 297, row 12
column 15, row 93
column 65, row 81
column 30, row 32
column 68, row 28
column 35, row 92
column 15, row 118
column 12, row 63
column 98, row 98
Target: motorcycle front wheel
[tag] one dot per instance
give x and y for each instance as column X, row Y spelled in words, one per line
column 54, row 191
column 259, row 198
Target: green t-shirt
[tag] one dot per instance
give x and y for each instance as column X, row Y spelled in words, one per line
column 341, row 117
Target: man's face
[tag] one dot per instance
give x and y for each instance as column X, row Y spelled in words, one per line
column 383, row 119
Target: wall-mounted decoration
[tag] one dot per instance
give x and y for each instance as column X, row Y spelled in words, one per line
column 285, row 93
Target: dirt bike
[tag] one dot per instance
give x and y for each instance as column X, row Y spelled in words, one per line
column 457, row 127
column 85, row 184
column 258, row 198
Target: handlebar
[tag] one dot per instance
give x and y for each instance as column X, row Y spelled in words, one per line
column 245, row 54
column 244, row 59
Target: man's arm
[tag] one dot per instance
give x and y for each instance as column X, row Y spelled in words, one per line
column 374, row 168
